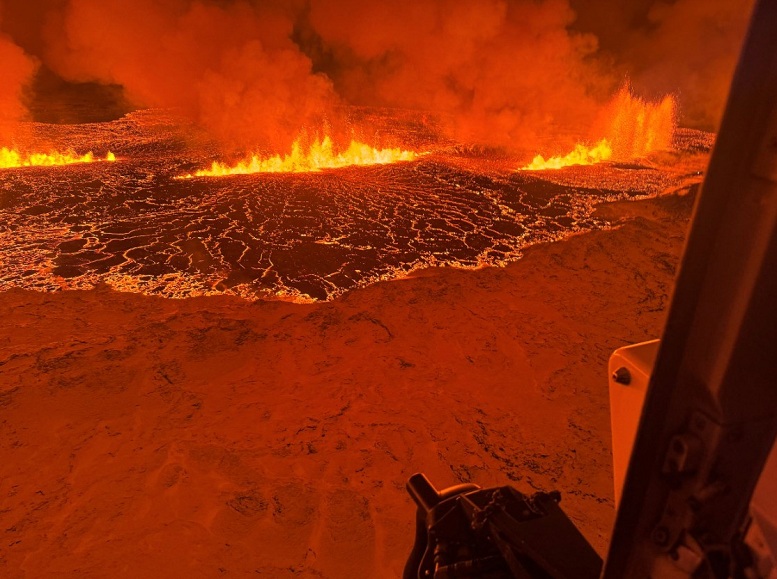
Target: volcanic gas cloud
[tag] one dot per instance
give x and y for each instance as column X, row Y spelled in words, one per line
column 260, row 76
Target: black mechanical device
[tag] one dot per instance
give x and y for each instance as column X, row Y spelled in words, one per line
column 466, row 531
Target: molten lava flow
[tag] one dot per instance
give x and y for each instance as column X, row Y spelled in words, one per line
column 634, row 128
column 320, row 155
column 582, row 155
column 11, row 158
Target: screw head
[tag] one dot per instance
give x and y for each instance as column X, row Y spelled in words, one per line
column 622, row 376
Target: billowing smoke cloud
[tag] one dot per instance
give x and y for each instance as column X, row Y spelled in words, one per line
column 17, row 71
column 696, row 61
column 505, row 71
column 231, row 66
column 685, row 47
column 257, row 73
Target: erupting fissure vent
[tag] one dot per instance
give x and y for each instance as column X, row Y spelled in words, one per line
column 11, row 158
column 635, row 128
column 320, row 155
column 581, row 155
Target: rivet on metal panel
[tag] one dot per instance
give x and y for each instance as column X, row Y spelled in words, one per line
column 622, row 376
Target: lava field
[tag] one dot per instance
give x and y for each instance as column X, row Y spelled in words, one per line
column 301, row 237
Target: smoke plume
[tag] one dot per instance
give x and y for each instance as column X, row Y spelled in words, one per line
column 231, row 66
column 505, row 72
column 18, row 69
column 258, row 73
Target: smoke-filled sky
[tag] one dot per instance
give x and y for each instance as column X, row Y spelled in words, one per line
column 255, row 74
column 17, row 69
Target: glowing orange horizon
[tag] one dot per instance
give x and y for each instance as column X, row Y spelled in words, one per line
column 13, row 159
column 320, row 155
column 636, row 129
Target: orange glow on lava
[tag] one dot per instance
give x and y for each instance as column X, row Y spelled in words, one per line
column 581, row 155
column 635, row 128
column 320, row 155
column 11, row 158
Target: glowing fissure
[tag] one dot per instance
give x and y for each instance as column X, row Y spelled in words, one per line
column 635, row 128
column 11, row 158
column 320, row 155
column 581, row 155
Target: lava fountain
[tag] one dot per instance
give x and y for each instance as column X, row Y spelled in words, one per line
column 636, row 128
column 12, row 158
column 318, row 156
